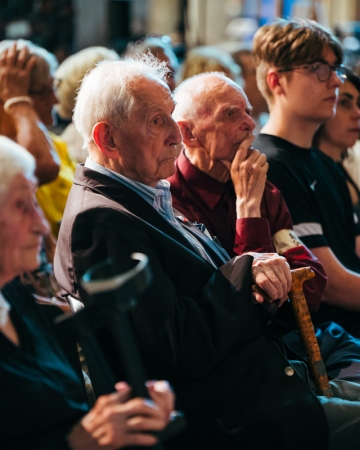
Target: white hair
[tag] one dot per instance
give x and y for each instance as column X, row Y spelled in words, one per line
column 45, row 64
column 71, row 71
column 154, row 45
column 14, row 160
column 108, row 92
column 191, row 94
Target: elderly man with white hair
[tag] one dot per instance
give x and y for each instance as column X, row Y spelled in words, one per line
column 198, row 324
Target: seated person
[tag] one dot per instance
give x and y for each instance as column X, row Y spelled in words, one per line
column 337, row 135
column 220, row 181
column 198, row 324
column 299, row 73
column 27, row 98
column 42, row 401
column 245, row 213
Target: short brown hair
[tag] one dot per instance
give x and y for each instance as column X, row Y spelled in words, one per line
column 287, row 43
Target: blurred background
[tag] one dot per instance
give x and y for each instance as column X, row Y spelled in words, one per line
column 66, row 26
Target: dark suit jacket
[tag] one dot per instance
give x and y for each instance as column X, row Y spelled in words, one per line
column 193, row 327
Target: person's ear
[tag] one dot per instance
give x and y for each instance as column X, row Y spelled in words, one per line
column 188, row 137
column 275, row 82
column 104, row 140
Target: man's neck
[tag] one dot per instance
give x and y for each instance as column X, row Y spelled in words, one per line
column 296, row 130
column 200, row 159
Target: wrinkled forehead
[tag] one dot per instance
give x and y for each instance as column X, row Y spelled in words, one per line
column 151, row 93
column 221, row 94
column 18, row 185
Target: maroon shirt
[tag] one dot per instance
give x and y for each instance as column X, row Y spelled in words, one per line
column 201, row 198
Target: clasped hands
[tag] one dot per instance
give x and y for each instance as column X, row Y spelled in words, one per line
column 117, row 421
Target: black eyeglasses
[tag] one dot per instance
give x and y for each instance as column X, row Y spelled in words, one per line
column 322, row 70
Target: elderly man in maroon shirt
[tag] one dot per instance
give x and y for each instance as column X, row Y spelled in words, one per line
column 220, row 180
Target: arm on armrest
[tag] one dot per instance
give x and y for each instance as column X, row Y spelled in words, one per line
column 343, row 288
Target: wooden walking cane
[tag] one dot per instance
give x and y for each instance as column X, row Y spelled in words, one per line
column 306, row 327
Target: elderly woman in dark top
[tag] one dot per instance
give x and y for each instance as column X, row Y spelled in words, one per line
column 42, row 400
column 340, row 133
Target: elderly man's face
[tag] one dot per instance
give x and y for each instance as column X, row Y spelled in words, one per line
column 22, row 226
column 224, row 121
column 149, row 137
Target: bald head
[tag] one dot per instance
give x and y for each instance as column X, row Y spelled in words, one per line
column 197, row 96
column 213, row 114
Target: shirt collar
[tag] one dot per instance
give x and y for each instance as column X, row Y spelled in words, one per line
column 204, row 186
column 147, row 192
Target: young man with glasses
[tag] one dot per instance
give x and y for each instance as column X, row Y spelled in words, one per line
column 299, row 72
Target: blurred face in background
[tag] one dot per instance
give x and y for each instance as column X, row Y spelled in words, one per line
column 164, row 55
column 343, row 129
column 22, row 227
column 44, row 98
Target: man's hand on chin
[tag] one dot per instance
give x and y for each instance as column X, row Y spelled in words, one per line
column 248, row 173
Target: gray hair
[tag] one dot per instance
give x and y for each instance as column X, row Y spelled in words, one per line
column 14, row 160
column 190, row 95
column 108, row 92
column 155, row 45
column 45, row 64
column 70, row 73
column 209, row 58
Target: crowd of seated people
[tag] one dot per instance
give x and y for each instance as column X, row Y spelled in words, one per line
column 230, row 360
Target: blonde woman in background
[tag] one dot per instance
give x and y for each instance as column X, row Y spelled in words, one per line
column 209, row 58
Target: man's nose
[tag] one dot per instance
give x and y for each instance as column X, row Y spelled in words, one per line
column 335, row 79
column 40, row 224
column 248, row 124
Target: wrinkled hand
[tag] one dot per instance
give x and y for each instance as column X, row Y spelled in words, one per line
column 15, row 69
column 115, row 421
column 271, row 273
column 248, row 173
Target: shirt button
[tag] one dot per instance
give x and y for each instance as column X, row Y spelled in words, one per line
column 289, row 371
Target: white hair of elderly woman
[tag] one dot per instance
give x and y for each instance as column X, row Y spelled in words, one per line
column 14, row 160
column 108, row 91
column 45, row 65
